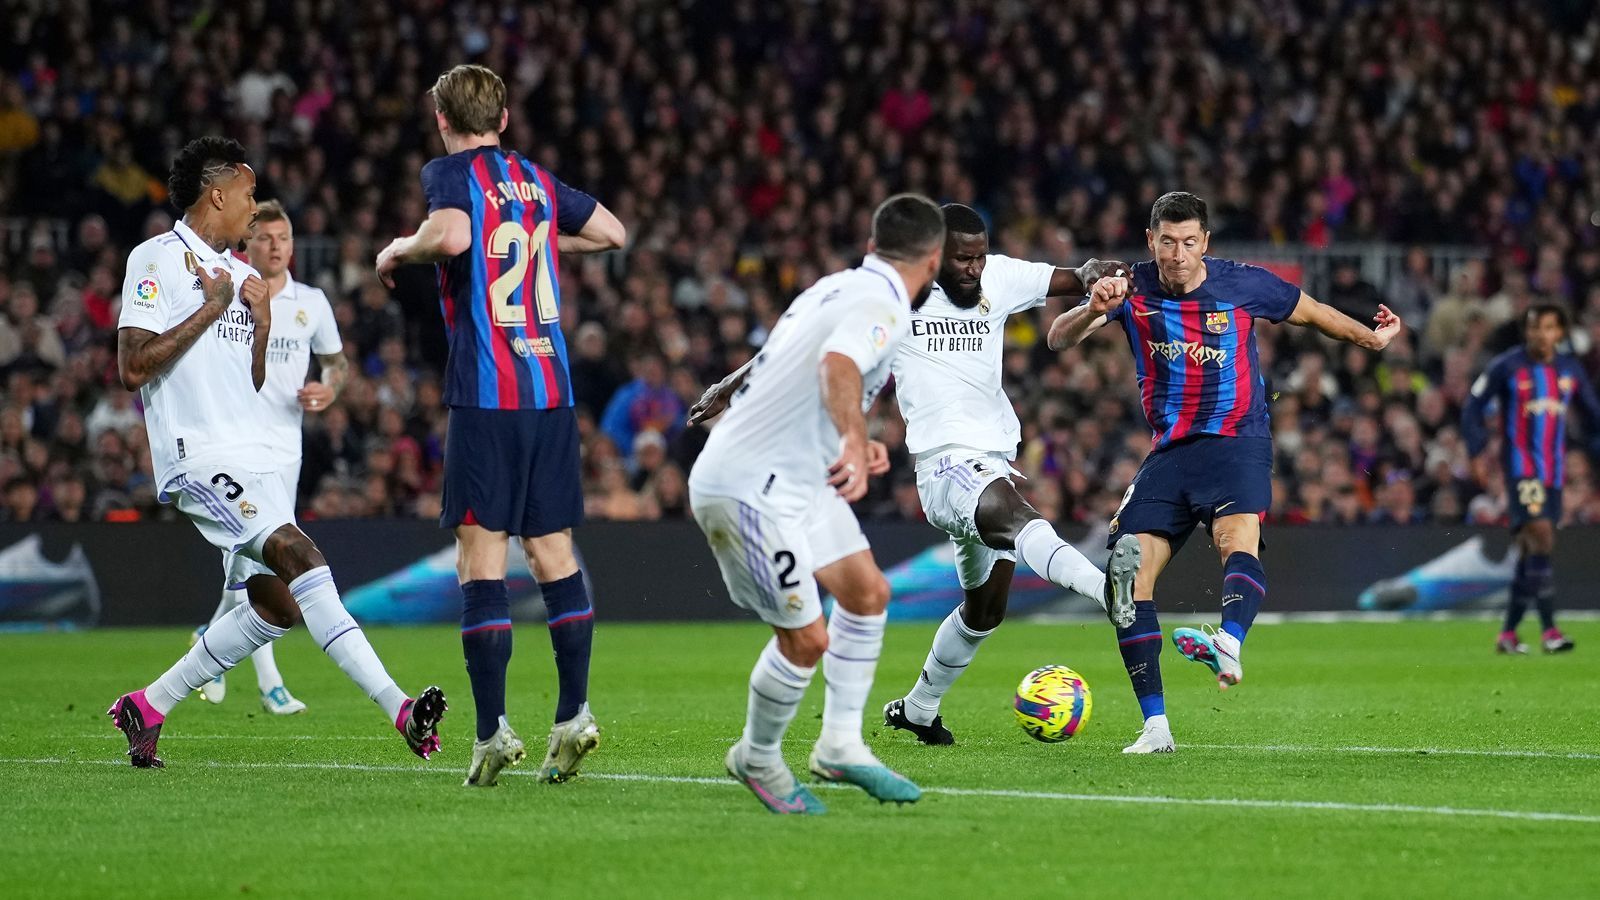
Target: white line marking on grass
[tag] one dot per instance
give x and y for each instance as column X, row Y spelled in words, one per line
column 1148, row 800
column 1250, row 748
column 1415, row 751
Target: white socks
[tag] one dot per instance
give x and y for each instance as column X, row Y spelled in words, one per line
column 224, row 645
column 954, row 646
column 776, row 688
column 1050, row 557
column 266, row 664
column 337, row 633
column 854, row 642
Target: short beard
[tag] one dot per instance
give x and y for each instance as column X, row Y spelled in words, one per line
column 962, row 300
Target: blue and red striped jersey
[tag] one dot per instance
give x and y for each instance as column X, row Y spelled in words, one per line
column 1195, row 353
column 1533, row 398
column 502, row 297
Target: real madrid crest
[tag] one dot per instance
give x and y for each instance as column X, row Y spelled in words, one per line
column 247, row 509
column 983, row 305
column 300, row 318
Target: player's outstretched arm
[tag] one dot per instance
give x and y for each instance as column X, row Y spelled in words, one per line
column 142, row 354
column 1337, row 325
column 602, row 232
column 841, row 397
column 1079, row 281
column 443, row 234
column 1071, row 327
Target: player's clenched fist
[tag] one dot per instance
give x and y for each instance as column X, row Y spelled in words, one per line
column 1108, row 293
column 848, row 474
column 255, row 295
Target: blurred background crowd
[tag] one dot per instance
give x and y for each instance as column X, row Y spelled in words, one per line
column 1441, row 157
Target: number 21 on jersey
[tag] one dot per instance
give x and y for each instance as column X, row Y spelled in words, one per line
column 509, row 312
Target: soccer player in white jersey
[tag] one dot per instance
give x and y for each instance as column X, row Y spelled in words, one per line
column 772, row 491
column 964, row 434
column 302, row 325
column 193, row 338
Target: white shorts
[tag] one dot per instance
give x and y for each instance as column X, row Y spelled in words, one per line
column 236, row 511
column 949, row 485
column 768, row 557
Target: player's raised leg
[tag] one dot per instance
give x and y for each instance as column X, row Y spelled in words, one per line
column 855, row 640
column 1006, row 522
column 306, row 578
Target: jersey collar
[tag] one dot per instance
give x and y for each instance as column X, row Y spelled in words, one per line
column 198, row 247
column 880, row 265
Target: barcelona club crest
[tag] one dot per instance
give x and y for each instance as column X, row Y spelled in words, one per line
column 1217, row 322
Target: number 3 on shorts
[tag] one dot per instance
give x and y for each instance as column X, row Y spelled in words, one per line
column 231, row 489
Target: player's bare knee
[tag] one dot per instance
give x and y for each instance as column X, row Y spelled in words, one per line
column 271, row 600
column 804, row 646
column 550, row 556
column 983, row 613
column 290, row 554
column 874, row 596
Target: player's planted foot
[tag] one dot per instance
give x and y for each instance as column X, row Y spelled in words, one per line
column 280, row 702
column 570, row 742
column 774, row 785
column 857, row 766
column 1556, row 642
column 934, row 733
column 215, row 690
column 502, row 749
column 1121, row 570
column 1155, row 738
column 142, row 726
column 418, row 721
column 1218, row 650
column 1509, row 643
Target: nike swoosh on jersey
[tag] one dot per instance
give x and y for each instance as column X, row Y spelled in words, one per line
column 1225, row 506
column 1147, row 313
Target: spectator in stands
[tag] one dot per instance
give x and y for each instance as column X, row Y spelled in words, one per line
column 646, row 402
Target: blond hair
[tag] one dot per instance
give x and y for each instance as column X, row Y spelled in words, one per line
column 272, row 211
column 471, row 99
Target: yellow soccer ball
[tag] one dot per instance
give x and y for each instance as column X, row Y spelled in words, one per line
column 1053, row 703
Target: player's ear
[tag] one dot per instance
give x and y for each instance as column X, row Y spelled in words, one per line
column 439, row 120
column 1150, row 240
column 505, row 116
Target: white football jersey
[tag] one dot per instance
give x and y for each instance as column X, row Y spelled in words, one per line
column 947, row 373
column 776, row 440
column 302, row 324
column 204, row 409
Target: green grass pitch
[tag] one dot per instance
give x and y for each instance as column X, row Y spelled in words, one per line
column 1356, row 760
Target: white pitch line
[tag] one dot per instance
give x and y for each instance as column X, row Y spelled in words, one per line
column 1138, row 799
column 180, row 736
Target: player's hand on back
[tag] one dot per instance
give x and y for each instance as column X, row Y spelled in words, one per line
column 1386, row 326
column 255, row 296
column 217, row 288
column 877, row 457
column 1108, row 293
column 848, row 474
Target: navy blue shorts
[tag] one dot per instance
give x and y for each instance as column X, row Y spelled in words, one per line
column 512, row 470
column 1533, row 499
column 1191, row 483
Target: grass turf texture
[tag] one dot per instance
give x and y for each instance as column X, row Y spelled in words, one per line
column 254, row 805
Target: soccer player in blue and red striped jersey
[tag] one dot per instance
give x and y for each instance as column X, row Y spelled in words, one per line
column 497, row 227
column 1533, row 386
column 1189, row 321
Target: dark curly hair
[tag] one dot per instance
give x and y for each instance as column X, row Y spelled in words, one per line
column 201, row 163
column 961, row 219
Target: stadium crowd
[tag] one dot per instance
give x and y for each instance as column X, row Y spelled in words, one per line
column 745, row 145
